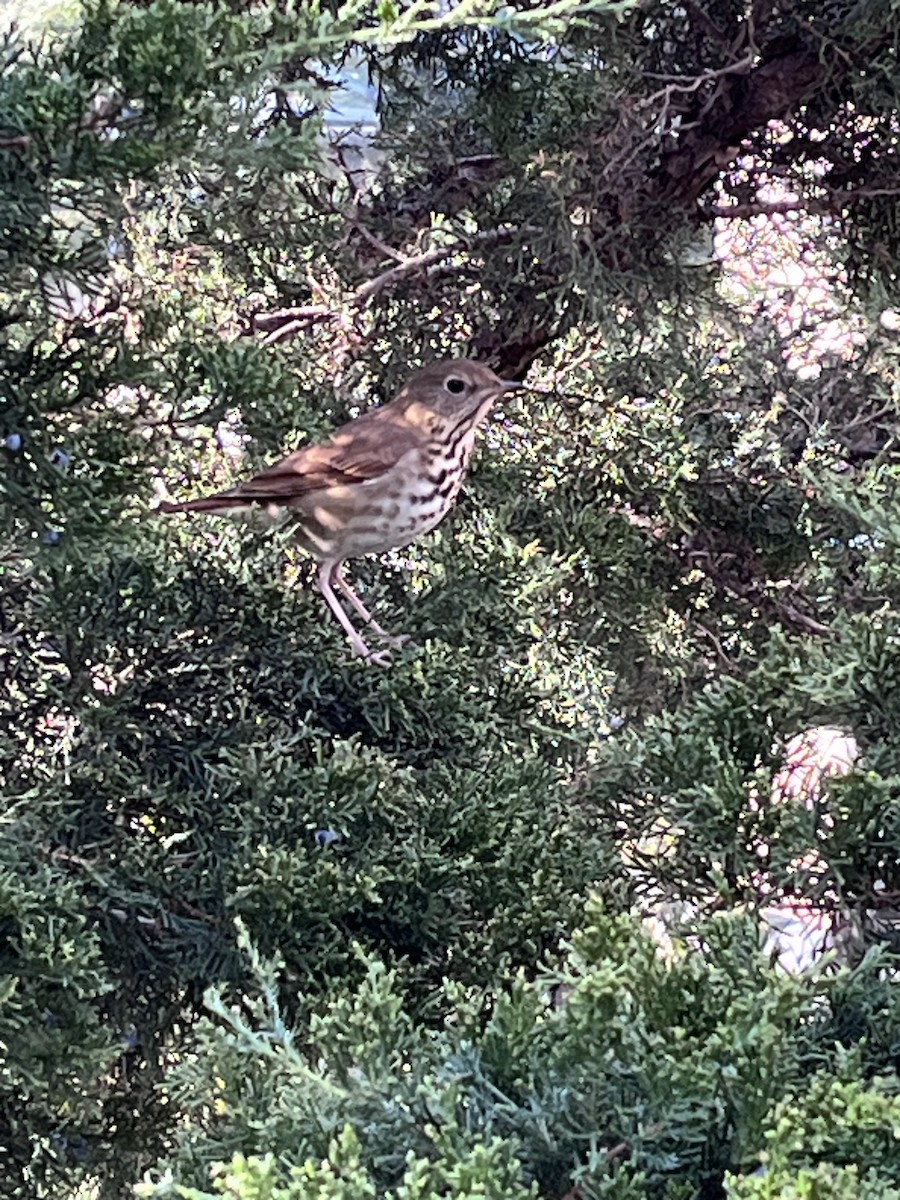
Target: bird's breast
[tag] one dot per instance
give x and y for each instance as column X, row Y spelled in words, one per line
column 418, row 495
column 390, row 510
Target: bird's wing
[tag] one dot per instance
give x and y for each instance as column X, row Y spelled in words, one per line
column 361, row 450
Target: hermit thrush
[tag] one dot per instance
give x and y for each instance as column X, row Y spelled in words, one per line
column 379, row 482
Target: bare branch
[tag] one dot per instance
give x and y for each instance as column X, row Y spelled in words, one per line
column 285, row 322
column 776, row 207
column 687, row 84
column 308, row 314
column 382, row 247
column 831, row 204
column 703, row 19
column 796, row 617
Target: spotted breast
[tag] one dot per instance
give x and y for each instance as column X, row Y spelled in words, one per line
column 395, row 508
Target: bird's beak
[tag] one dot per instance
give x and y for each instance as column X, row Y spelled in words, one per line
column 512, row 385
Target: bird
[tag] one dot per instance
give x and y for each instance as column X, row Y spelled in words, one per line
column 381, row 481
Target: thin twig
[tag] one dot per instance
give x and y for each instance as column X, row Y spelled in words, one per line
column 705, row 20
column 377, row 243
column 831, row 204
column 798, row 618
column 870, row 418
column 707, row 632
column 686, row 84
column 284, row 322
column 309, row 313
column 421, row 262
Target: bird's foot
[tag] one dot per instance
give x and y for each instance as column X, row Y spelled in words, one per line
column 389, row 639
column 380, row 658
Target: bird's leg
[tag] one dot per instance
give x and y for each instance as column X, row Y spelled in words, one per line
column 323, row 581
column 337, row 577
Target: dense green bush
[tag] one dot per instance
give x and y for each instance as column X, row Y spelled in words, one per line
column 627, row 1071
column 274, row 923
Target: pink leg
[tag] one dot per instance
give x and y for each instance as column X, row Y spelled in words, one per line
column 323, row 580
column 337, row 577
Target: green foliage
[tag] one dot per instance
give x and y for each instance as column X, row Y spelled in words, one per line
column 275, row 923
column 823, row 1182
column 54, row 986
column 817, row 1145
column 629, row 1071
column 488, row 1171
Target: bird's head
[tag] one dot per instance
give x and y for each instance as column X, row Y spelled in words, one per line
column 455, row 389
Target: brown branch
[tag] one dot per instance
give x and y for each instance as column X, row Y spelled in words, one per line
column 409, row 266
column 307, row 313
column 738, row 100
column 376, row 243
column 421, row 262
column 864, row 419
column 831, row 204
column 741, row 106
column 775, row 208
column 191, row 910
column 703, row 19
column 717, row 645
column 801, row 619
column 284, row 322
column 689, row 83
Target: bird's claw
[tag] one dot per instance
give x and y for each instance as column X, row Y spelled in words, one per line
column 379, row 658
column 397, row 643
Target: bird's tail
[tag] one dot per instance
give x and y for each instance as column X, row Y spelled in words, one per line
column 222, row 503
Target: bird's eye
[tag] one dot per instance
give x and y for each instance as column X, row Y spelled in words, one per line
column 455, row 385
